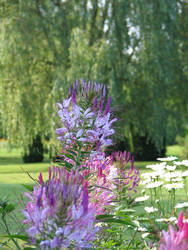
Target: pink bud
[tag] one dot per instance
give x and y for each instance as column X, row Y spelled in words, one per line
column 40, row 179
column 95, row 104
column 85, row 198
column 50, row 173
column 180, row 221
column 86, row 89
column 74, row 96
column 108, row 105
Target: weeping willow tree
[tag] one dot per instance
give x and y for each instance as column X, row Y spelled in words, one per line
column 34, row 58
column 136, row 47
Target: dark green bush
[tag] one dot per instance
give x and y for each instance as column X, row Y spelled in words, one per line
column 143, row 149
column 35, row 152
column 146, row 150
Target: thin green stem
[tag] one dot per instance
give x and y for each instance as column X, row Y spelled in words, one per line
column 9, row 233
column 132, row 239
column 78, row 162
column 185, row 186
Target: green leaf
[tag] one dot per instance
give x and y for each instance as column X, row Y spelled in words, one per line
column 28, row 187
column 83, row 168
column 111, row 218
column 29, row 248
column 143, row 219
column 71, row 152
column 17, row 236
column 66, row 164
column 85, row 152
column 9, row 208
column 79, row 143
column 69, row 156
column 103, row 216
column 124, row 212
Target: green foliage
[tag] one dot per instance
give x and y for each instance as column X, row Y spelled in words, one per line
column 35, row 151
column 183, row 142
column 137, row 48
column 146, row 150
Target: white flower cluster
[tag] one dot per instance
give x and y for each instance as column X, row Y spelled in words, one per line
column 163, row 175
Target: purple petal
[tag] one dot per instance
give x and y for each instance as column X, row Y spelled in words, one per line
column 74, row 96
column 87, row 111
column 66, row 102
column 40, row 178
column 82, row 139
column 39, row 199
column 79, row 133
column 60, row 105
column 108, row 105
column 95, row 104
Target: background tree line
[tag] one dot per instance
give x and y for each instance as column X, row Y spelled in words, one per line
column 138, row 48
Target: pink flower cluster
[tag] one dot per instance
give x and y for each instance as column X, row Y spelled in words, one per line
column 127, row 176
column 108, row 178
column 58, row 213
column 176, row 240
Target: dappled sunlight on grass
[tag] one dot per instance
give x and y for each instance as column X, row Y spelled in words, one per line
column 174, row 150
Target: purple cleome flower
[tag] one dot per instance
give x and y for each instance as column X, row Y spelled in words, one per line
column 129, row 177
column 58, row 213
column 89, row 125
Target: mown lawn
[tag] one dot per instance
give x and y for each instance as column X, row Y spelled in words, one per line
column 14, row 173
column 174, row 150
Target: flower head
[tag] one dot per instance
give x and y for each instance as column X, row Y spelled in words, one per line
column 109, row 178
column 86, row 121
column 142, row 198
column 150, row 209
column 181, row 205
column 127, row 176
column 60, row 208
column 154, row 184
column 175, row 239
column 174, row 185
column 183, row 163
column 170, row 158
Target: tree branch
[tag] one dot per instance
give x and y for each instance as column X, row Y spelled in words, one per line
column 50, row 42
column 104, row 16
column 93, row 22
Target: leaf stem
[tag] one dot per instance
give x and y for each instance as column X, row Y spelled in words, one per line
column 8, row 231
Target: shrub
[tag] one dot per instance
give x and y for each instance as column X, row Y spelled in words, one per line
column 35, row 151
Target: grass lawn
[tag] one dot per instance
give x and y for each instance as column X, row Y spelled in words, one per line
column 174, row 150
column 14, row 173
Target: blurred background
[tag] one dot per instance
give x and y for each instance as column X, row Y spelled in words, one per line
column 138, row 48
